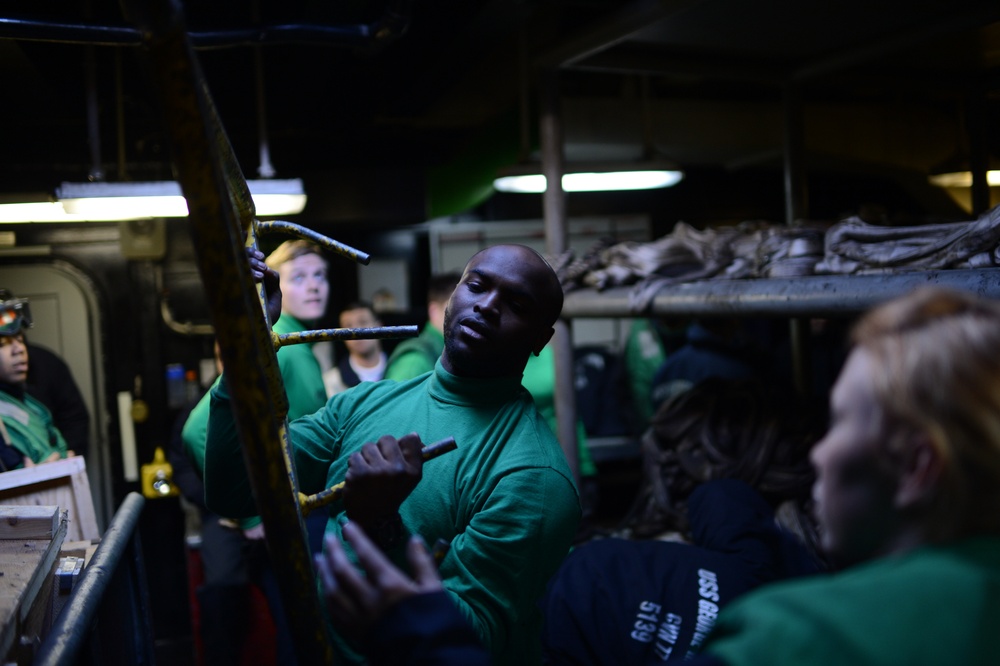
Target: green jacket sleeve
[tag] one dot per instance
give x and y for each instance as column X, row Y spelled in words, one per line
column 528, row 506
column 195, row 432
column 227, row 485
column 644, row 353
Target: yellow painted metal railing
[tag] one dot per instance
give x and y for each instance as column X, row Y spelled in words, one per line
column 223, row 225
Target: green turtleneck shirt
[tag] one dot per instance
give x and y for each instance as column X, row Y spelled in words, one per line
column 505, row 499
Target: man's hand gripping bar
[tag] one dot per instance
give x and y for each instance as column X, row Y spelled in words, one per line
column 324, row 497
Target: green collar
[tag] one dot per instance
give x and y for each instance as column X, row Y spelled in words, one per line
column 453, row 389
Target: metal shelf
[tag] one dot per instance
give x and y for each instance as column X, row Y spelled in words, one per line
column 809, row 296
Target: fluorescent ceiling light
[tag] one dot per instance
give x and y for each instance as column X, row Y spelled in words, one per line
column 131, row 201
column 582, row 179
column 964, row 179
column 272, row 197
column 106, row 202
column 38, row 211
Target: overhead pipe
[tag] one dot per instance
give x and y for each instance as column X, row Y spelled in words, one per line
column 388, row 27
column 610, row 32
column 67, row 33
column 264, row 169
column 806, row 296
column 183, row 328
column 93, row 125
column 97, row 172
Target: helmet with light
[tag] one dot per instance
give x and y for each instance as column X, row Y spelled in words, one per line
column 15, row 315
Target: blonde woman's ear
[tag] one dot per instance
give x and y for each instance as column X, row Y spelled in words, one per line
column 919, row 472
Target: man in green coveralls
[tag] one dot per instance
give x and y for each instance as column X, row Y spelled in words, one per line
column 418, row 355
column 305, row 290
column 907, row 496
column 505, row 500
column 26, row 425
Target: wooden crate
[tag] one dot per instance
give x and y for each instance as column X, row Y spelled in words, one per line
column 62, row 483
column 30, row 540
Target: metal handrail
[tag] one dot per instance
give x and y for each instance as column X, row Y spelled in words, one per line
column 115, row 567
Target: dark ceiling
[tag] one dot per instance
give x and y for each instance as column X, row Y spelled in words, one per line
column 393, row 112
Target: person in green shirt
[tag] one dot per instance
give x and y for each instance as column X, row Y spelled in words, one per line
column 540, row 380
column 505, row 501
column 26, row 425
column 233, row 550
column 648, row 343
column 908, row 501
column 305, row 290
column 418, row 355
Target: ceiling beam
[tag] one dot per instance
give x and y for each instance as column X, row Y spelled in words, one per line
column 854, row 54
column 626, row 60
column 609, row 31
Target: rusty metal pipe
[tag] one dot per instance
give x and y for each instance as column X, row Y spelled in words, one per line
column 297, row 230
column 324, row 334
column 221, row 230
column 333, row 493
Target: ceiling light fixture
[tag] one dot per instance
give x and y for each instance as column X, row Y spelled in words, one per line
column 132, row 201
column 34, row 208
column 593, row 178
column 109, row 202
